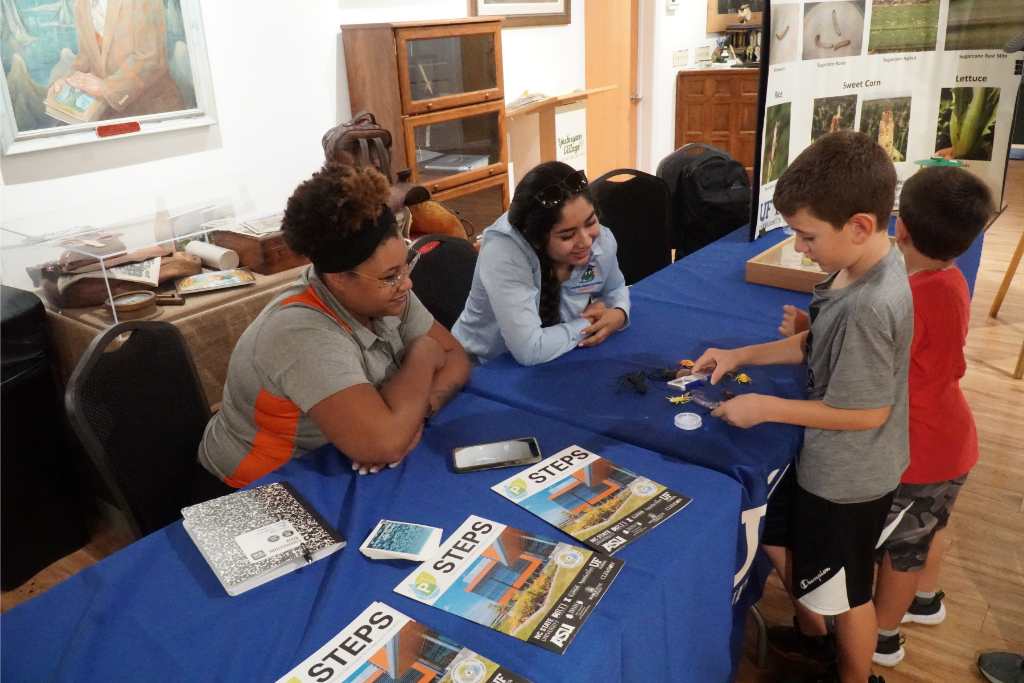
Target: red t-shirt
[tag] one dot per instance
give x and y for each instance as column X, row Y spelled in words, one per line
column 943, row 438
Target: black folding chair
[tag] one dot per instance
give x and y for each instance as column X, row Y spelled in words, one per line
column 136, row 404
column 444, row 275
column 636, row 211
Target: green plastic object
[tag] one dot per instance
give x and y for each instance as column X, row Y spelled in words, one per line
column 939, row 161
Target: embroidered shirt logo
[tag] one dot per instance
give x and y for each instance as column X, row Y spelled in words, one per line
column 804, row 583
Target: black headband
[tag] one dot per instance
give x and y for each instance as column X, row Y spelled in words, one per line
column 345, row 253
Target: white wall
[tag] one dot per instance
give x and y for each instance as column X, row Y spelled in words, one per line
column 279, row 83
column 661, row 34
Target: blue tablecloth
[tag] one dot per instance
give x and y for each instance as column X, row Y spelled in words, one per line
column 155, row 611
column 702, row 278
column 697, row 302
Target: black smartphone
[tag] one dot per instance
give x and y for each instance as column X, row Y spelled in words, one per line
column 486, row 456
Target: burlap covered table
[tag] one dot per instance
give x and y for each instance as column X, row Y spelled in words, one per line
column 211, row 324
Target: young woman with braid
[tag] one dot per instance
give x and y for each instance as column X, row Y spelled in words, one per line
column 346, row 355
column 547, row 279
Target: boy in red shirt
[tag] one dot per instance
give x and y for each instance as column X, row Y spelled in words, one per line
column 942, row 210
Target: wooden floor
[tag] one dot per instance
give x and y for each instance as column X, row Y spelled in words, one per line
column 983, row 576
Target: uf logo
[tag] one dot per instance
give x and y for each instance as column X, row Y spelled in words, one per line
column 751, row 521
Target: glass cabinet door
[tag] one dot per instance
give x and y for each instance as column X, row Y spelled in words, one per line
column 442, row 71
column 450, row 148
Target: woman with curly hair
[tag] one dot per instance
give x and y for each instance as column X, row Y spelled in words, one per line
column 346, row 355
column 547, row 279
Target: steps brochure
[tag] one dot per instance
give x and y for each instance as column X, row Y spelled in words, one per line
column 382, row 644
column 523, row 585
column 591, row 498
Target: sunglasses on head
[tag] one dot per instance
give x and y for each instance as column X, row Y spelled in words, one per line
column 570, row 186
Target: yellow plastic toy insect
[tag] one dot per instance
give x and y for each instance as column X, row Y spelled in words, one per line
column 743, row 378
column 677, row 400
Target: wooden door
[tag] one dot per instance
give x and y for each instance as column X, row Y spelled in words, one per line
column 719, row 107
column 611, row 57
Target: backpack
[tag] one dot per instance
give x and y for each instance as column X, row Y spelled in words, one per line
column 710, row 194
column 369, row 144
column 364, row 139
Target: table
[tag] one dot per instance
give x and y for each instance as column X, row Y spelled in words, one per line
column 211, row 323
column 156, row 611
column 677, row 312
column 699, row 301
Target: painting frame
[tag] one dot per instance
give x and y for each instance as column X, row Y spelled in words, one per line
column 524, row 13
column 14, row 142
column 718, row 22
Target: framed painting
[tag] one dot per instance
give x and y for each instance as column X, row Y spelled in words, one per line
column 524, row 12
column 724, row 13
column 72, row 66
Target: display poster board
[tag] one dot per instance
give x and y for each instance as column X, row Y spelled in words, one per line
column 922, row 77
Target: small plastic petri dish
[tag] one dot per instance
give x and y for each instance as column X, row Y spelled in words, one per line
column 688, row 421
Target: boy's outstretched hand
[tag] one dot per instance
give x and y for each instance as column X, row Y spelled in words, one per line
column 747, row 410
column 794, row 321
column 718, row 362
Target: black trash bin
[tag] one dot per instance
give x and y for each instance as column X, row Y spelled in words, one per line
column 42, row 516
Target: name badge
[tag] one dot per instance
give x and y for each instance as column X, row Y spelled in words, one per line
column 586, row 280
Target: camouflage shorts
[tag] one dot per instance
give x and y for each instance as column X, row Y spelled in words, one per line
column 918, row 511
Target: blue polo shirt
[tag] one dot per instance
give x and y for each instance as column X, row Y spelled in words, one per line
column 502, row 311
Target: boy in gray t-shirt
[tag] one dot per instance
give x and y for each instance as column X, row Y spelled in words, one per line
column 823, row 523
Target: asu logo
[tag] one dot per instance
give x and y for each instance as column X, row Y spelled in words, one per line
column 516, row 488
column 561, row 636
column 424, row 585
column 588, row 274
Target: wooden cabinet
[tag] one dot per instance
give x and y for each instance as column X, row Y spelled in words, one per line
column 477, row 204
column 457, row 146
column 719, row 107
column 438, row 87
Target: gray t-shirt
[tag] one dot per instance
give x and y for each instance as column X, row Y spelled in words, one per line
column 303, row 347
column 858, row 353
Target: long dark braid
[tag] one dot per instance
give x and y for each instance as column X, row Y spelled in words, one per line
column 535, row 221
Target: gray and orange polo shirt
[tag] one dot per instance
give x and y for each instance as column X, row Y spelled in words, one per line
column 303, row 347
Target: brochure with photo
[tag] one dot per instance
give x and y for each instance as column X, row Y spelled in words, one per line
column 218, row 279
column 592, row 499
column 382, row 644
column 526, row 586
column 392, row 540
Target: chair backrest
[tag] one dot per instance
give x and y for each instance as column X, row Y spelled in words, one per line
column 710, row 195
column 636, row 211
column 444, row 275
column 136, row 404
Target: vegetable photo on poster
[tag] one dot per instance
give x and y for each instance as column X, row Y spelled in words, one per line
column 776, row 142
column 983, row 24
column 887, row 121
column 967, row 123
column 832, row 114
column 903, row 26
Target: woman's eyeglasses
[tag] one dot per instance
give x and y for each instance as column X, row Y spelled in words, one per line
column 553, row 195
column 394, row 281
